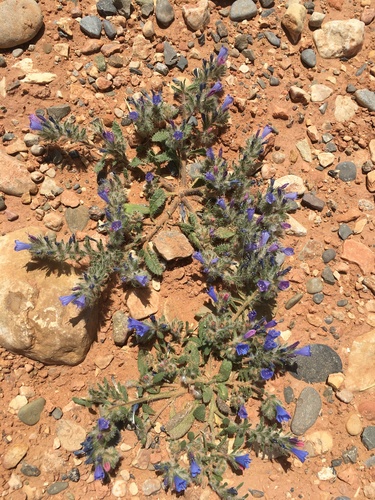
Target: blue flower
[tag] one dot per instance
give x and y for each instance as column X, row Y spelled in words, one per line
column 221, row 203
column 178, row 135
column 273, row 334
column 116, row 225
column 270, row 324
column 243, row 461
column 133, row 115
column 304, row 351
column 266, row 131
column 36, row 122
column 242, row 413
column 156, row 98
column 199, row 257
column 250, row 214
column 264, row 237
column 270, row 198
column 149, row 177
column 210, row 177
column 283, row 285
column 109, row 136
column 300, row 454
column 103, row 193
column 99, row 472
column 291, row 196
column 252, row 315
column 228, row 101
column 263, row 285
column 266, row 373
column 281, row 414
column 194, row 468
column 269, row 344
column 142, row 280
column 103, row 424
column 79, row 301
column 222, row 56
column 179, row 484
column 211, row 292
column 210, row 154
column 216, row 88
column 139, row 327
column 242, row 349
column 19, row 245
column 288, row 251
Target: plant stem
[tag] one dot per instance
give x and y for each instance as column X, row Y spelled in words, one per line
column 152, row 397
column 246, row 304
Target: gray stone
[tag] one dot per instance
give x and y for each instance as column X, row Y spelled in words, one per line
column 316, row 20
column 106, row 8
column 151, row 486
column 328, row 276
column 57, row 413
column 30, row 470
column 77, row 218
column 17, row 53
column 3, row 62
column 2, row 204
column 365, row 98
column 58, row 487
column 318, row 366
column 266, row 4
column 59, row 112
column 308, row 58
column 347, row 171
column 182, row 63
column 272, row 38
column 147, row 7
column 293, row 301
column 350, row 456
column 170, row 55
column 288, row 395
column 345, row 231
column 328, row 255
column 312, row 202
column 314, row 285
column 31, row 139
column 30, row 413
column 368, row 437
column 164, row 13
column 21, row 21
column 123, row 7
column 221, row 29
column 109, row 29
column 242, row 9
column 318, row 298
column 339, row 38
column 241, row 42
column 119, row 328
column 307, row 410
column 161, row 68
column 91, row 26
column 173, row 245
column 370, row 462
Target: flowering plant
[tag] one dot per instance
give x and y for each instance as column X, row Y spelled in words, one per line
column 236, row 229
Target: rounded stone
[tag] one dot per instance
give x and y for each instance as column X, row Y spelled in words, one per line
column 308, row 58
column 347, row 171
column 328, row 255
column 314, row 285
column 318, row 366
column 307, row 411
column 30, row 413
column 20, row 22
column 354, row 425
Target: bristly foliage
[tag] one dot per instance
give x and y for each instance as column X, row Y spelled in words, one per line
column 224, row 363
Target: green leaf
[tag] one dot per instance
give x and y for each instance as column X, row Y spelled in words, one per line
column 158, row 377
column 161, row 135
column 207, row 394
column 142, row 364
column 191, row 351
column 82, row 402
column 131, row 208
column 222, row 391
column 238, row 441
column 200, row 413
column 152, row 262
column 147, row 409
column 181, row 423
column 157, row 201
column 224, row 233
column 191, row 436
column 98, row 167
column 225, row 371
column 117, row 132
column 136, row 162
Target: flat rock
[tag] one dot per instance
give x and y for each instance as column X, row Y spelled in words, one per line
column 347, row 171
column 295, row 184
column 91, row 26
column 319, row 92
column 360, row 254
column 365, row 98
column 33, row 322
column 14, row 177
column 242, row 9
column 339, row 38
column 296, row 228
column 14, row 454
column 368, row 437
column 196, row 18
column 345, row 108
column 106, row 8
column 304, row 150
column 318, row 366
column 30, row 413
column 312, row 202
column 307, row 411
column 360, row 374
column 141, row 47
column 77, row 218
column 164, row 13
column 142, row 302
column 308, row 58
column 318, row 442
column 173, row 245
column 293, row 20
column 70, row 434
column 21, row 20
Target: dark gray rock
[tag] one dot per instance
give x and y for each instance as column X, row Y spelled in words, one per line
column 242, row 9
column 2, row 204
column 116, row 61
column 288, row 395
column 312, row 202
column 318, row 298
column 328, row 255
column 74, row 475
column 344, row 231
column 241, row 42
column 91, row 26
column 342, row 303
column 266, row 4
column 170, row 55
column 347, row 171
column 318, row 366
column 328, row 276
column 55, row 488
column 365, row 98
column 57, row 413
column 161, row 68
column 274, row 82
column 147, row 7
column 106, row 8
column 119, row 328
column 293, row 301
column 350, row 456
column 249, row 54
column 368, row 437
column 59, row 112
column 221, row 29
column 164, row 13
column 272, row 38
column 307, row 411
column 3, row 62
column 308, row 58
column 30, row 413
column 30, row 470
column 350, row 88
column 182, row 63
column 370, row 462
column 109, row 29
column 123, row 7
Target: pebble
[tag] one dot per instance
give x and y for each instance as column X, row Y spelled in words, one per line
column 318, row 298
column 328, row 276
column 147, row 7
column 172, row 245
column 103, row 362
column 119, row 488
column 70, row 434
column 312, row 202
column 256, row 493
column 320, row 93
column 318, row 366
column 2, row 204
column 59, row 111
column 14, row 455
column 119, row 328
column 57, row 413
column 148, row 29
column 151, row 486
column 307, row 410
column 53, row 221
column 106, row 8
column 164, row 13
column 350, row 455
column 365, row 98
column 345, row 396
column 354, row 425
column 328, row 255
column 58, row 487
column 30, row 470
column 74, row 475
column 316, row 20
column 318, row 442
column 326, row 474
column 242, row 9
column 308, row 58
column 368, row 437
column 314, row 285
column 288, row 394
column 170, row 55
column 347, row 171
column 196, row 16
column 272, row 38
column 293, row 20
column 367, row 409
column 91, row 26
column 109, row 29
column 344, row 231
column 30, row 413
column 293, row 301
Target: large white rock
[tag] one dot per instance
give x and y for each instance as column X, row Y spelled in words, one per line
column 20, row 22
column 32, row 320
column 198, row 16
column 345, row 108
column 339, row 38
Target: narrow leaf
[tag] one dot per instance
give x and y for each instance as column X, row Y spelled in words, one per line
column 157, row 201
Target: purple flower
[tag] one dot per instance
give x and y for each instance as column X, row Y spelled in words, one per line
column 300, row 454
column 209, row 176
column 270, row 324
column 304, row 351
column 139, row 327
column 99, row 472
column 142, row 280
column 116, row 225
column 179, row 484
column 79, row 301
column 19, row 245
column 194, row 468
column 252, row 315
column 242, row 349
column 269, row 344
column 36, row 122
column 288, row 251
column 156, row 98
column 216, row 88
column 266, row 373
column 211, row 292
column 222, row 56
column 250, row 214
column 249, row 334
column 242, row 413
column 221, row 203
column 210, row 154
column 133, row 115
column 263, row 285
column 290, row 196
column 283, row 285
column 281, row 414
column 103, row 424
column 199, row 257
column 103, row 193
column 178, row 135
column 285, row 225
column 264, row 237
column 109, row 136
column 270, row 198
column 266, row 131
column 149, row 177
column 273, row 248
column 243, row 461
column 228, row 101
